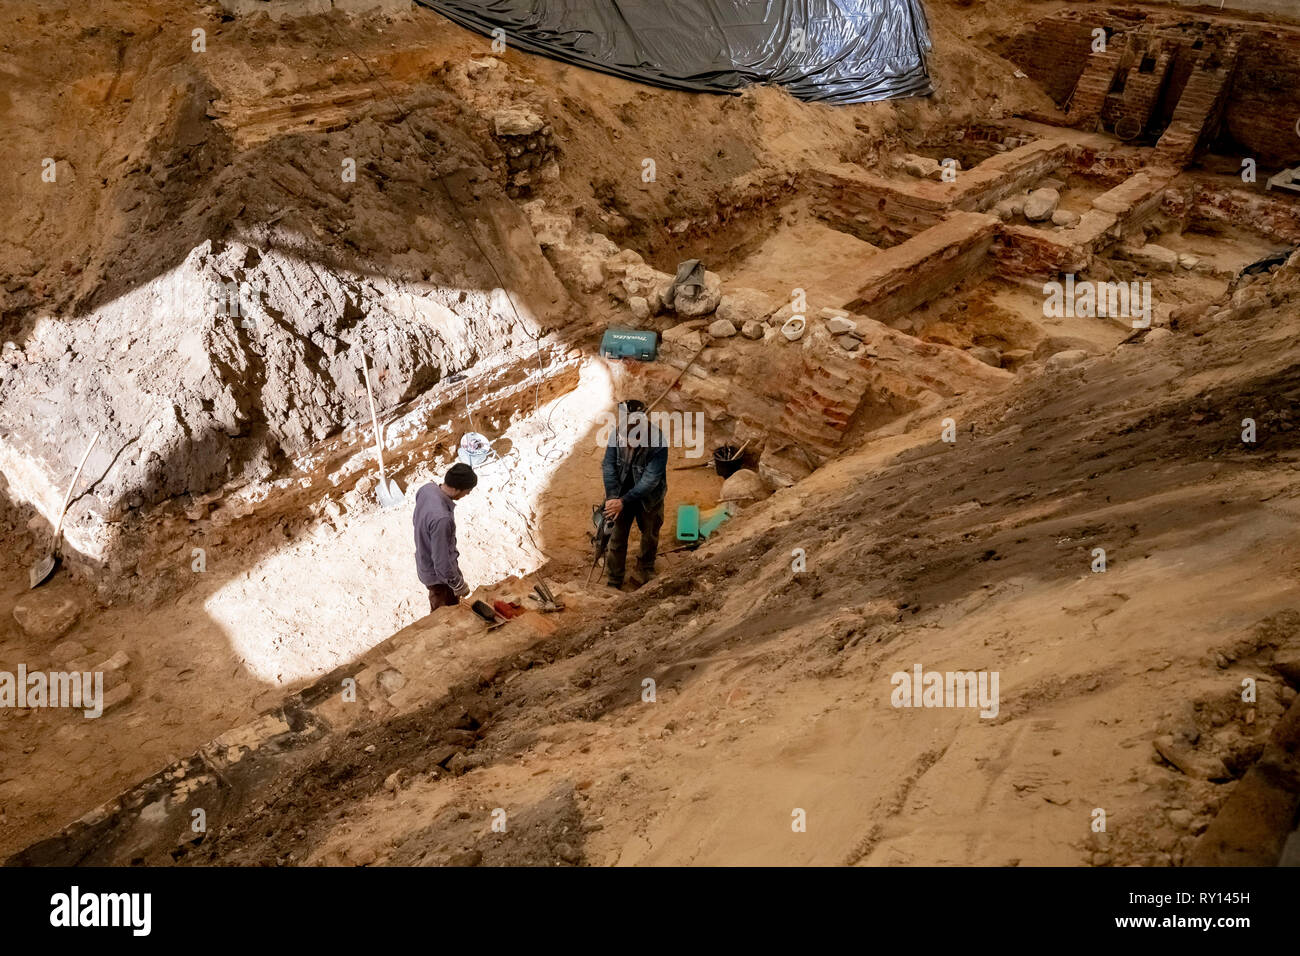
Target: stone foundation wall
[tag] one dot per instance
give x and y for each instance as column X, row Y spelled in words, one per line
column 907, row 276
column 854, row 200
column 1120, row 212
column 1273, row 215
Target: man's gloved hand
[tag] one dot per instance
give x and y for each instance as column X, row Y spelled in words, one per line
column 462, row 590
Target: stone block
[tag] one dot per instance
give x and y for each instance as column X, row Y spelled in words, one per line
column 1041, row 204
column 44, row 616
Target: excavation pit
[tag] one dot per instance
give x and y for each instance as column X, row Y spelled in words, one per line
column 227, row 542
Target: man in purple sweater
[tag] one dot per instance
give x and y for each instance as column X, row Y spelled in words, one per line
column 436, row 559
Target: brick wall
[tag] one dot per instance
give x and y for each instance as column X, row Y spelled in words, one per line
column 1261, row 110
column 1141, row 91
column 1265, row 101
column 886, row 212
column 909, row 275
column 872, row 208
column 1180, row 71
column 1053, row 52
column 1208, row 203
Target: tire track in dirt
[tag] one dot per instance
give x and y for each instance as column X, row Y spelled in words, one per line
column 895, row 805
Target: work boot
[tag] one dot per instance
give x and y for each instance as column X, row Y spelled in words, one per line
column 616, row 585
column 640, row 577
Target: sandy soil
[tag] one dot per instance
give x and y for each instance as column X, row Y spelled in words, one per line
column 773, row 687
column 219, row 653
column 140, row 138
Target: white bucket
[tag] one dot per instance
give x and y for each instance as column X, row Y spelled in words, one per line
column 474, row 449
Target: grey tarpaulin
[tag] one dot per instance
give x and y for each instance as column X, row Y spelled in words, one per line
column 838, row 51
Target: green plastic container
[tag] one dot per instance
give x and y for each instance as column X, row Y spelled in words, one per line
column 688, row 522
column 714, row 521
column 630, row 343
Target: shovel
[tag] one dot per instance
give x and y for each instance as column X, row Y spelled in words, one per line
column 40, row 571
column 389, row 493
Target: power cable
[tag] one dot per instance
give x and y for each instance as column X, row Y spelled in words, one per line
column 468, row 412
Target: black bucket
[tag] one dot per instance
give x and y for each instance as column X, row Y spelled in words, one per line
column 726, row 462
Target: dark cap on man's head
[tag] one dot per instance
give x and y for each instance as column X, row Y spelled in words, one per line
column 460, row 476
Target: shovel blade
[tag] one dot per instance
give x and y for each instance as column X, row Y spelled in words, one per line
column 40, row 571
column 389, row 494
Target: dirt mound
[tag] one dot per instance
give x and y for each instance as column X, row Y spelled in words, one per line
column 193, row 281
column 228, row 219
column 976, row 558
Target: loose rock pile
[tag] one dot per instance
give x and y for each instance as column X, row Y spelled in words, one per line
column 529, row 147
